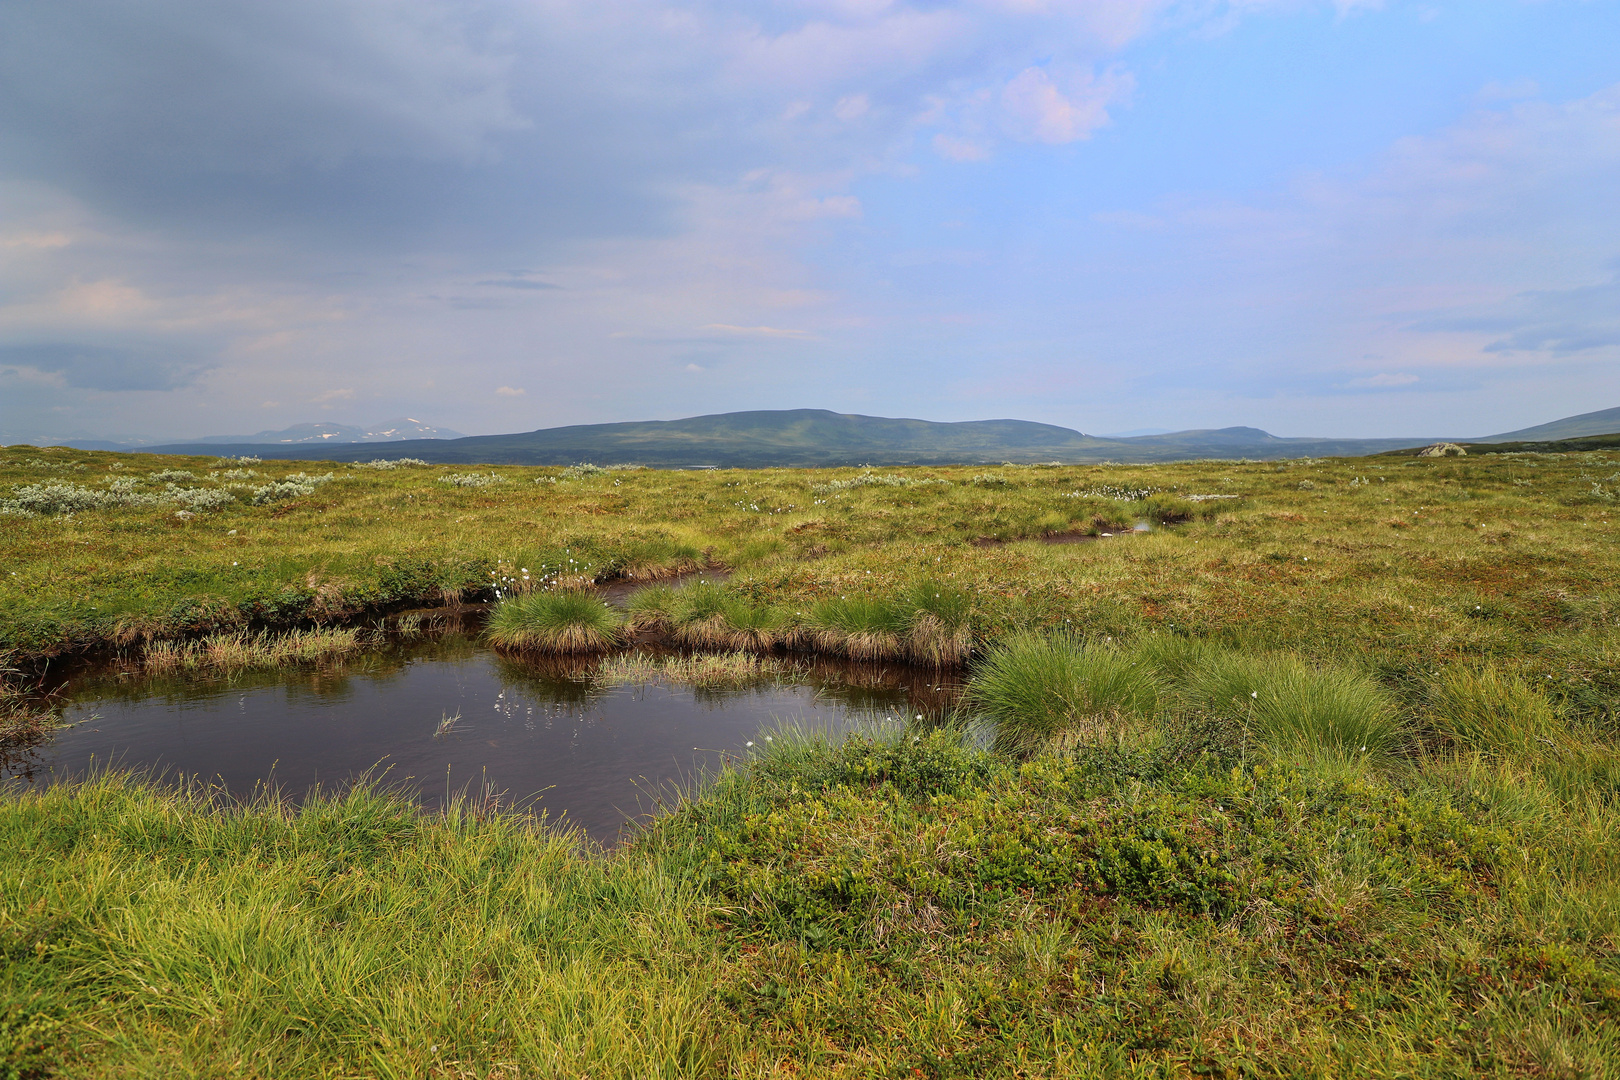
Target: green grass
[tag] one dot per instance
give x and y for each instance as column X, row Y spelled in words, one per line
column 651, row 608
column 851, row 909
column 355, row 936
column 1034, row 688
column 859, row 627
column 1486, row 711
column 554, row 620
column 1180, row 862
column 1294, row 706
column 1410, row 565
column 707, row 615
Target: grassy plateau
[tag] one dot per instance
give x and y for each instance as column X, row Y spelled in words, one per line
column 1305, row 768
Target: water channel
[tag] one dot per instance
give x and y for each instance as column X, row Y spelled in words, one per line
column 440, row 714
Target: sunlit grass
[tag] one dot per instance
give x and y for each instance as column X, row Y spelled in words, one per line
column 353, row 936
column 1486, row 711
column 1034, row 688
column 1320, row 779
column 1319, row 709
column 555, row 620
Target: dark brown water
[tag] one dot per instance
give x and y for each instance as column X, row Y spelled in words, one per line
column 544, row 735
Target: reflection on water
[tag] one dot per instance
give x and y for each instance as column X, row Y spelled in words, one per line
column 442, row 714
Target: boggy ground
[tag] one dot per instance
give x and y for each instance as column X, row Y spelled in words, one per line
column 915, row 907
column 1405, row 560
column 1156, row 880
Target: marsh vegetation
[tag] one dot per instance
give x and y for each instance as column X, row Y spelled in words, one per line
column 1317, row 777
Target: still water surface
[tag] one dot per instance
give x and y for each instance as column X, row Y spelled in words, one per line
column 544, row 735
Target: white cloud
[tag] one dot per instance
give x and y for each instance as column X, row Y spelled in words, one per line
column 954, row 148
column 1035, row 109
column 757, row 331
column 1382, row 381
column 1514, row 90
column 38, row 241
column 852, row 107
column 510, row 391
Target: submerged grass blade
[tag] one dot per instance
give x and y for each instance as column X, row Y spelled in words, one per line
column 244, row 651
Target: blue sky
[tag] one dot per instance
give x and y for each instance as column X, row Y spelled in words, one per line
column 1346, row 218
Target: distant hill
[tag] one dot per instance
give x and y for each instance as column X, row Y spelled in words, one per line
column 1602, row 422
column 1526, row 446
column 817, row 437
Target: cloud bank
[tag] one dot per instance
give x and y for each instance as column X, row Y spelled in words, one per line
column 228, row 216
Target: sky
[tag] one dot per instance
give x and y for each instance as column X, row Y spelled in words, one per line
column 1344, row 218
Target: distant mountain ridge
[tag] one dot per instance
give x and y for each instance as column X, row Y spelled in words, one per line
column 1602, row 422
column 818, row 437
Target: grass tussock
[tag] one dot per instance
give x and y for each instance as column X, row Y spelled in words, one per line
column 242, row 651
column 1034, row 688
column 859, row 627
column 557, row 620
column 938, row 631
column 1488, row 711
column 927, row 622
column 650, row 608
column 1294, row 706
column 707, row 615
column 702, row 616
column 352, row 936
